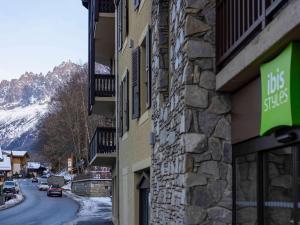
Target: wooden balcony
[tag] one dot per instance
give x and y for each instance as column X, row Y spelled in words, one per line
column 102, row 150
column 102, row 94
column 104, row 85
column 105, row 6
column 239, row 21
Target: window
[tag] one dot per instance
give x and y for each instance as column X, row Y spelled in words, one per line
column 266, row 187
column 278, row 190
column 123, row 25
column 124, row 105
column 141, row 77
column 144, row 199
column 246, row 189
column 136, row 83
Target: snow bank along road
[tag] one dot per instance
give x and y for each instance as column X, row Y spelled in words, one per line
column 38, row 209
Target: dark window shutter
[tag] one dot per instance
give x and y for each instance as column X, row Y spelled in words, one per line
column 126, row 94
column 97, row 10
column 121, row 110
column 136, row 4
column 120, row 25
column 148, row 67
column 126, row 18
column 136, row 83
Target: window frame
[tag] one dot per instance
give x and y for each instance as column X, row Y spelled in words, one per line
column 260, row 146
column 124, row 104
column 122, row 22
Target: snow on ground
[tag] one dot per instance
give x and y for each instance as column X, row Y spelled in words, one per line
column 93, row 210
column 93, row 206
column 19, row 198
column 67, row 187
column 66, row 175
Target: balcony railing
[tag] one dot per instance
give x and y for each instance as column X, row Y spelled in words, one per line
column 104, row 85
column 103, row 142
column 106, row 6
column 92, row 176
column 238, row 21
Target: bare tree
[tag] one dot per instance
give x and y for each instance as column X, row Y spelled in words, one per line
column 68, row 129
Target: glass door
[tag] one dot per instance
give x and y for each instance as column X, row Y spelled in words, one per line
column 278, row 199
column 297, row 185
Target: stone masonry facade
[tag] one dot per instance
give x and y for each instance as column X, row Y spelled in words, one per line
column 92, row 188
column 191, row 174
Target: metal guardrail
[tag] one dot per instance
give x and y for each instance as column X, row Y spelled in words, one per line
column 239, row 21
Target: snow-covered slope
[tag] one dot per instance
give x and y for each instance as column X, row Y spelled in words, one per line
column 24, row 102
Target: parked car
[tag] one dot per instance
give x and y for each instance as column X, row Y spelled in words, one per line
column 10, row 187
column 54, row 190
column 34, row 180
column 43, row 186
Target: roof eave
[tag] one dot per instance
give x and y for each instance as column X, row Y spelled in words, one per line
column 85, row 3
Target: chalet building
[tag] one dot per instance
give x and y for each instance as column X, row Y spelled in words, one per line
column 5, row 167
column 18, row 161
column 35, row 169
column 206, row 101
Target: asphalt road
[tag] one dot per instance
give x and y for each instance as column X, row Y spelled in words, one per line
column 38, row 209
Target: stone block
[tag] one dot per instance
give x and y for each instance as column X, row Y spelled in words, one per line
column 194, row 215
column 194, row 142
column 210, row 168
column 223, row 129
column 199, row 49
column 194, row 179
column 208, row 80
column 220, row 214
column 194, row 25
column 219, row 105
column 196, row 96
column 207, row 122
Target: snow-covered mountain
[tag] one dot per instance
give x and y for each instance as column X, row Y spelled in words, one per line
column 24, row 102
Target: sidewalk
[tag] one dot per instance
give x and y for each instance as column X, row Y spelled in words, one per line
column 93, row 211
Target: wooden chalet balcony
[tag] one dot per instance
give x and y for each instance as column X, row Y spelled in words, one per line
column 102, row 94
column 104, row 6
column 239, row 21
column 102, row 150
column 104, row 85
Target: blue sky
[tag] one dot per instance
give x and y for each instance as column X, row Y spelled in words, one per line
column 36, row 35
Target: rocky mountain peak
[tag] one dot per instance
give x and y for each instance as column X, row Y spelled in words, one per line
column 24, row 102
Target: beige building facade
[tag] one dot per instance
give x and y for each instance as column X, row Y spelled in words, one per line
column 134, row 109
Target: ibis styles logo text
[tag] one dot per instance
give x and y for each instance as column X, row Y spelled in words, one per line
column 280, row 90
column 277, row 90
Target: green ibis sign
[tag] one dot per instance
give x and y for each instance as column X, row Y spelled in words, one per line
column 280, row 81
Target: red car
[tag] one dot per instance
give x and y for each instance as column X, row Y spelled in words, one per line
column 54, row 190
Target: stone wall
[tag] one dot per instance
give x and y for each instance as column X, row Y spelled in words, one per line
column 191, row 177
column 92, row 188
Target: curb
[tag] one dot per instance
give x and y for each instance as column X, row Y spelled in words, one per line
column 8, row 207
